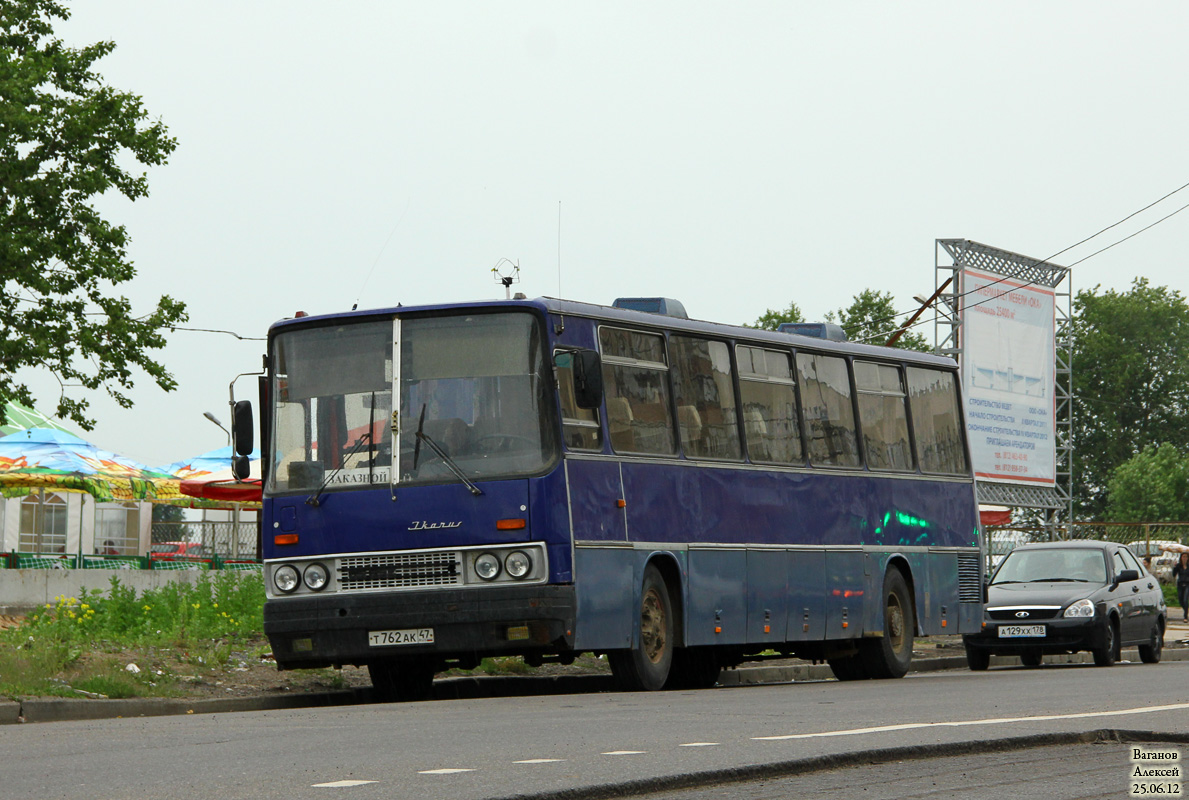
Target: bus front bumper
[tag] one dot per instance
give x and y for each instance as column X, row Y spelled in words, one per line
column 325, row 630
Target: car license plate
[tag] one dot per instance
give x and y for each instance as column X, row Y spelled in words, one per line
column 1020, row 631
column 406, row 636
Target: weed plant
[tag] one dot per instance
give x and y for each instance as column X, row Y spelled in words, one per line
column 79, row 645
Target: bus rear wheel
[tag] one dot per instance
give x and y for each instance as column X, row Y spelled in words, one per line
column 890, row 655
column 646, row 666
column 401, row 680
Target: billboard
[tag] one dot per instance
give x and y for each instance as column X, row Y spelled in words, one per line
column 1009, row 377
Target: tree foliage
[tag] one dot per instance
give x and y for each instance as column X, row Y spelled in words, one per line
column 771, row 319
column 1130, row 381
column 872, row 318
column 65, row 138
column 1151, row 486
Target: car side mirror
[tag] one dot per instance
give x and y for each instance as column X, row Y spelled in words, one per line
column 1127, row 575
column 588, row 379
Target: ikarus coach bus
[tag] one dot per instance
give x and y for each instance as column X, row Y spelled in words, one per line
column 544, row 478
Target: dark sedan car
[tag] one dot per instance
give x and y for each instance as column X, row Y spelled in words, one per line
column 1062, row 597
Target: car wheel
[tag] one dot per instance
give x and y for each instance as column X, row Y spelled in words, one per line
column 1030, row 659
column 1151, row 652
column 1108, row 654
column 977, row 660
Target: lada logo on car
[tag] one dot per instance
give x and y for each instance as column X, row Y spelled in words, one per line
column 1021, row 614
column 421, row 525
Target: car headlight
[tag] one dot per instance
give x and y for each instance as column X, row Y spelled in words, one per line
column 518, row 564
column 286, row 578
column 316, row 577
column 1082, row 608
column 487, row 567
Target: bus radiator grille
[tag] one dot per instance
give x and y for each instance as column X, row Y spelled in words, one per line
column 970, row 580
column 399, row 571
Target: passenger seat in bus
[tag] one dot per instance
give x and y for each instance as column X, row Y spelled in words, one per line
column 619, row 424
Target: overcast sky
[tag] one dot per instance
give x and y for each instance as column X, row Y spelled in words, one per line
column 736, row 156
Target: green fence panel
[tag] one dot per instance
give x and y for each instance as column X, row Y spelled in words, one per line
column 243, row 566
column 113, row 562
column 43, row 561
column 182, row 563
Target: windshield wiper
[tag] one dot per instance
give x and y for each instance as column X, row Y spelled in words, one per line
column 448, row 461
column 1053, row 580
column 417, row 444
column 313, row 499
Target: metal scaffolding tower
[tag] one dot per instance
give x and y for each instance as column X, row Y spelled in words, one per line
column 1056, row 501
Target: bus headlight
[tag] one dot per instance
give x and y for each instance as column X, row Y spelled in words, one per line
column 286, row 578
column 518, row 564
column 1082, row 608
column 316, row 577
column 487, row 567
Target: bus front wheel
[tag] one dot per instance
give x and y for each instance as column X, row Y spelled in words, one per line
column 646, row 666
column 401, row 680
column 890, row 655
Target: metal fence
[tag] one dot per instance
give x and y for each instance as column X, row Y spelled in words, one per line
column 1146, row 539
column 225, row 540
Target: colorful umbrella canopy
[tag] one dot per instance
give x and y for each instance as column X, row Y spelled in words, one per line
column 45, row 458
column 224, row 486
column 213, row 461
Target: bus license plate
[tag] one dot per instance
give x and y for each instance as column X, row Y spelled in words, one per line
column 407, row 636
column 1020, row 631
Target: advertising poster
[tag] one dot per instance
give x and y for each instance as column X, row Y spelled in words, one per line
column 1009, row 377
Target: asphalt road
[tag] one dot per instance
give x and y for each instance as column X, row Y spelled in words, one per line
column 588, row 745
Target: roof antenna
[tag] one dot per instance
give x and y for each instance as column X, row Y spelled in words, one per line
column 512, row 268
column 391, row 233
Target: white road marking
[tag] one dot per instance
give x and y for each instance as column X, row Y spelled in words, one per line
column 625, row 753
column 340, row 784
column 965, row 723
column 539, row 761
column 699, row 744
column 443, row 771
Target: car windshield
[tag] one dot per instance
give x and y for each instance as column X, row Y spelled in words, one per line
column 1043, row 565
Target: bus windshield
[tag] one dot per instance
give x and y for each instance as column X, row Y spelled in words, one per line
column 473, row 388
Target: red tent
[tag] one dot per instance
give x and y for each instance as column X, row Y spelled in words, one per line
column 223, row 486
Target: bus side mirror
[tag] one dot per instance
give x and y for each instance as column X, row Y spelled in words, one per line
column 588, row 379
column 241, row 427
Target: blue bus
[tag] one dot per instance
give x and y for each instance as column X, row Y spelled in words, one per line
column 544, row 478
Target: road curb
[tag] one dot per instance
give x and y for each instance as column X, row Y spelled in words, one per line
column 60, row 709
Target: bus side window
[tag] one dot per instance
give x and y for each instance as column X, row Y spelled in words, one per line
column 637, row 392
column 883, row 416
column 769, row 398
column 936, row 422
column 829, row 416
column 705, row 393
column 580, row 426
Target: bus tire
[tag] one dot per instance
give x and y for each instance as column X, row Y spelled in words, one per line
column 849, row 668
column 693, row 668
column 401, row 680
column 890, row 655
column 646, row 667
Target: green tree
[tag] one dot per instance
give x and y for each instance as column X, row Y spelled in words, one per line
column 872, row 318
column 1130, row 372
column 65, row 139
column 771, row 319
column 1151, row 486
